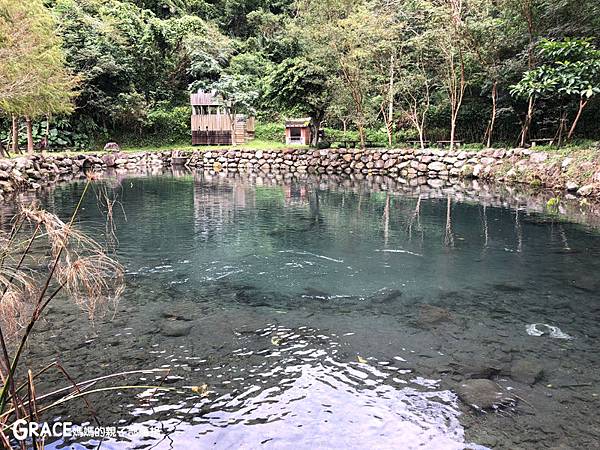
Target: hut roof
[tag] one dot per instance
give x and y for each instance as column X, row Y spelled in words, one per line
column 206, row 99
column 298, row 123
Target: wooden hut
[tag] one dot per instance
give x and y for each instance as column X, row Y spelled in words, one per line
column 297, row 131
column 212, row 122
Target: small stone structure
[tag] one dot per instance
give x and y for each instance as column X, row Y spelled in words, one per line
column 297, row 131
column 410, row 166
column 112, row 147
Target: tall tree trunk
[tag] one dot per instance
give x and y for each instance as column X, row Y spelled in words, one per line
column 15, row 134
column 422, row 137
column 452, row 132
column 388, row 126
column 29, row 134
column 316, row 129
column 494, row 109
column 232, row 119
column 47, row 136
column 361, row 135
column 582, row 104
column 357, row 98
column 561, row 129
column 390, row 118
column 527, row 123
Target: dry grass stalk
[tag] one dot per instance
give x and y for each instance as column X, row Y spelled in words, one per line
column 40, row 257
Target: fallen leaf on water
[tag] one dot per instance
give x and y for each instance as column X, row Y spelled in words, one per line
column 202, row 390
column 275, row 340
column 361, row 360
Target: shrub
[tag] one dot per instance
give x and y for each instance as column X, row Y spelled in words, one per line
column 270, row 132
column 172, row 122
column 63, row 133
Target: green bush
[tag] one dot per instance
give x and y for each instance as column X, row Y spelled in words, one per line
column 276, row 132
column 336, row 136
column 64, row 133
column 171, row 122
column 270, row 132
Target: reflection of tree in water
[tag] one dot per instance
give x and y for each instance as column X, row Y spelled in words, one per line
column 287, row 213
column 563, row 236
column 484, row 224
column 386, row 219
column 415, row 219
column 519, row 232
column 449, row 235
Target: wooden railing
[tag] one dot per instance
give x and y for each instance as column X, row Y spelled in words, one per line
column 250, row 124
column 212, row 122
column 204, row 98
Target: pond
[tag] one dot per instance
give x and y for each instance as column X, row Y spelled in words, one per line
column 323, row 313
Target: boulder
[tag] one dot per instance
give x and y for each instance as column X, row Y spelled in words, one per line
column 436, row 166
column 110, row 159
column 527, row 372
column 436, row 183
column 538, row 157
column 482, row 394
column 566, row 162
column 175, row 328
column 572, row 186
column 432, row 315
column 488, row 161
column 112, row 147
column 586, row 190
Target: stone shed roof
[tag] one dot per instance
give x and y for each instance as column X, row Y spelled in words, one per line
column 298, row 123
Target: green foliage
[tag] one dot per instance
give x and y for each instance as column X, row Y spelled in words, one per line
column 553, row 204
column 62, row 134
column 270, row 132
column 300, row 87
column 170, row 122
column 365, row 65
column 572, row 68
column 33, row 77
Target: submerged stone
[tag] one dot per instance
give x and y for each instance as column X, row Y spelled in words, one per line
column 175, row 328
column 432, row 315
column 386, row 295
column 527, row 372
column 482, row 394
column 315, row 293
column 177, row 313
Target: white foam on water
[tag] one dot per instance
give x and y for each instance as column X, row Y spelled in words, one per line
column 541, row 329
column 398, row 250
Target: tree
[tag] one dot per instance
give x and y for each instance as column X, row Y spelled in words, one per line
column 572, row 69
column 130, row 60
column 302, row 87
column 487, row 34
column 418, row 61
column 415, row 96
column 523, row 15
column 239, row 94
column 452, row 45
column 348, row 37
column 48, row 86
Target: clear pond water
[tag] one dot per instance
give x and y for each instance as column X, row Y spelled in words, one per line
column 323, row 316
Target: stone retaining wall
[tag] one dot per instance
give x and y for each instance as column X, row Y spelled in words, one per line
column 409, row 166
